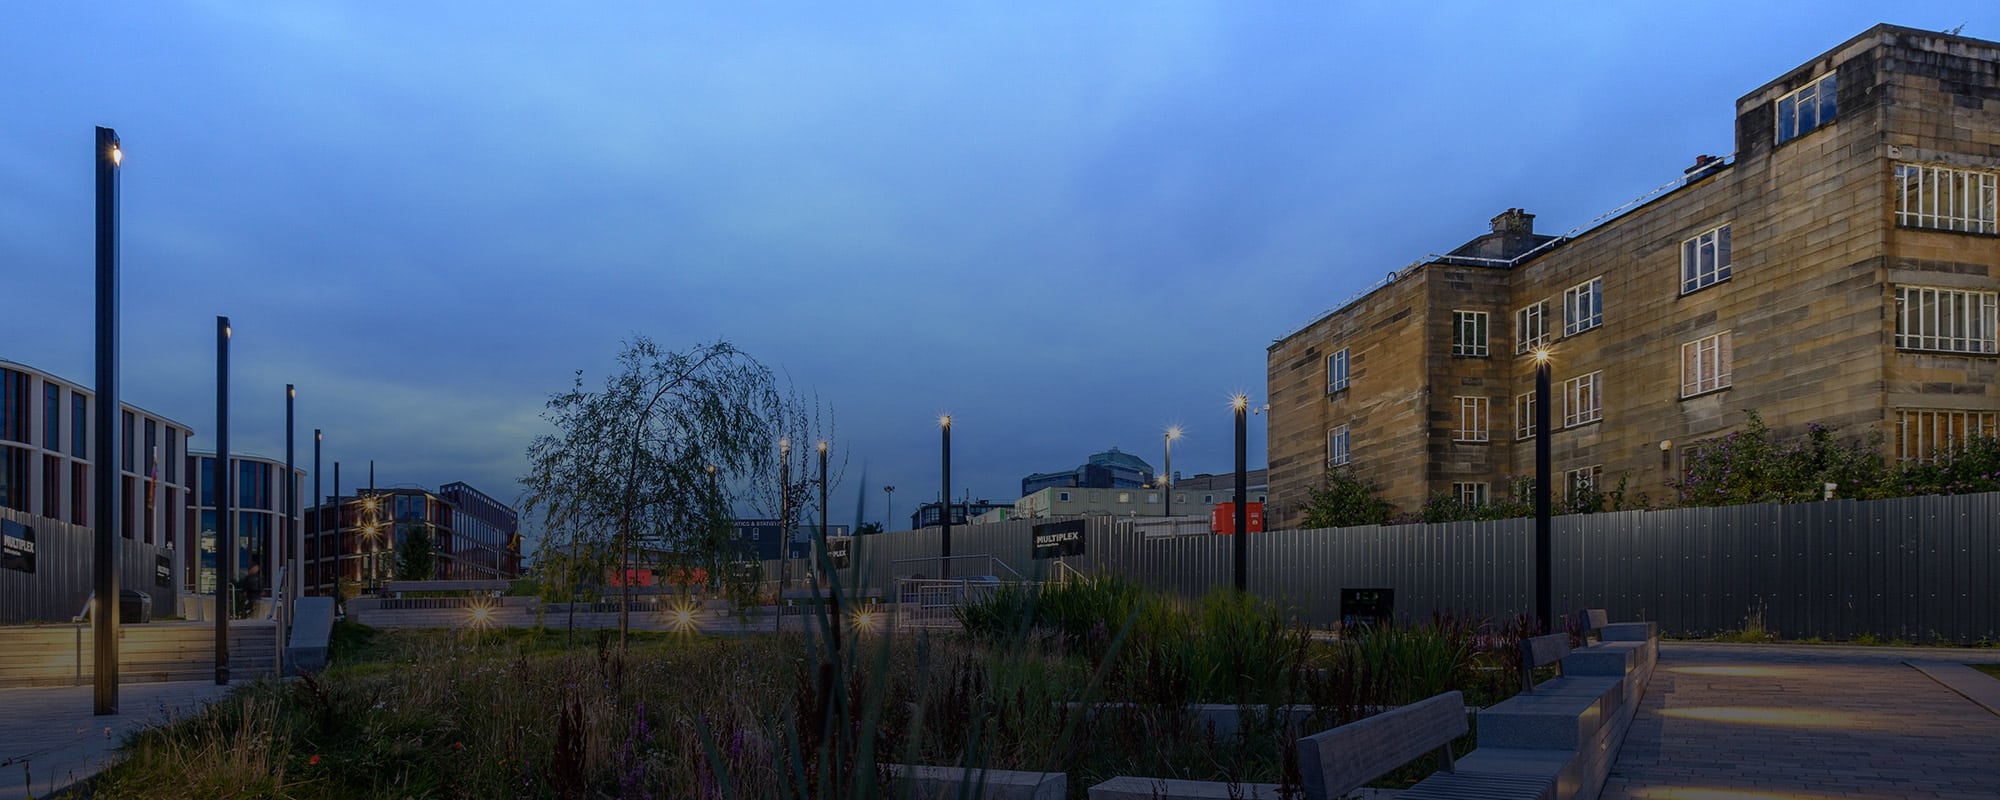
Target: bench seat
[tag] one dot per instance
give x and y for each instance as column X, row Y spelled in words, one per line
column 1562, row 714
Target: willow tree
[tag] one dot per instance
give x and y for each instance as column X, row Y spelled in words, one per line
column 637, row 460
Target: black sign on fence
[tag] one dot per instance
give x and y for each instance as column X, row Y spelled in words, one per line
column 838, row 549
column 1058, row 539
column 17, row 546
column 163, row 571
column 1366, row 606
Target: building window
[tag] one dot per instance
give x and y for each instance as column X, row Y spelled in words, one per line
column 1583, row 399
column 1946, row 199
column 1705, row 364
column 14, row 478
column 1806, row 108
column 1947, row 320
column 127, row 441
column 1337, row 447
column 1524, row 415
column 1705, row 260
column 52, row 419
column 1062, row 497
column 1580, row 480
column 1470, row 495
column 1531, row 327
column 1471, row 420
column 1336, row 371
column 1152, row 497
column 1583, row 307
column 1468, row 333
column 14, row 406
column 1924, row 434
column 79, row 426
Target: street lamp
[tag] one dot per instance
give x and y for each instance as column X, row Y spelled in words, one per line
column 105, row 508
column 225, row 538
column 944, row 546
column 785, row 512
column 889, row 514
column 1543, row 593
column 1241, row 405
column 1167, row 481
column 826, row 562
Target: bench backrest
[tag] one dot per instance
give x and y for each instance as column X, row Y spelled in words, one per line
column 1541, row 651
column 1590, row 621
column 1335, row 762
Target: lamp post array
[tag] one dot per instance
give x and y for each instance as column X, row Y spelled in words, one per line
column 1241, row 405
column 108, row 155
column 1167, row 480
column 944, row 508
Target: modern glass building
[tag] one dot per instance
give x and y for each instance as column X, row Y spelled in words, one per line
column 266, row 533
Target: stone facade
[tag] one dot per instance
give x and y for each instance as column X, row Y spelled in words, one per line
column 1807, row 319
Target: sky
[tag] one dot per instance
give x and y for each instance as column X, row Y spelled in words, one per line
column 1069, row 225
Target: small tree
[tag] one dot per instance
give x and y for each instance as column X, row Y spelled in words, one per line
column 416, row 559
column 631, row 462
column 1749, row 467
column 1345, row 501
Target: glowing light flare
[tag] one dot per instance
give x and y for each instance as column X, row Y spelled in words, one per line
column 785, row 446
column 117, row 155
column 864, row 620
column 1542, row 355
column 822, row 446
column 1173, row 432
column 681, row 616
column 1239, row 402
column 944, row 420
column 479, row 615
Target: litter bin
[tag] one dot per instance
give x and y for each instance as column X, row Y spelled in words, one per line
column 134, row 606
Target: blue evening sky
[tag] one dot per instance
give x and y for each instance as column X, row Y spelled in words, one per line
column 1068, row 224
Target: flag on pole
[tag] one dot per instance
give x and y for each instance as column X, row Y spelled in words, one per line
column 152, row 480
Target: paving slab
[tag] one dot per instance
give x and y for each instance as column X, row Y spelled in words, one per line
column 1759, row 722
column 49, row 737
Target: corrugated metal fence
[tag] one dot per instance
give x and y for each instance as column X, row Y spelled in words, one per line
column 1918, row 568
column 61, row 582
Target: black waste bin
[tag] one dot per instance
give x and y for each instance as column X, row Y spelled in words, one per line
column 134, row 606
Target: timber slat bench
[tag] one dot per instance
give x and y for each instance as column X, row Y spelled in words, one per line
column 1332, row 762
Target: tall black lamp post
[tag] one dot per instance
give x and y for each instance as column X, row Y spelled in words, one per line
column 785, row 512
column 1241, row 404
column 225, row 537
column 106, row 509
column 292, row 516
column 944, row 542
column 826, row 561
column 1543, row 593
column 889, row 512
column 1166, row 482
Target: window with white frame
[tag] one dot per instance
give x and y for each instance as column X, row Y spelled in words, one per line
column 1806, row 108
column 1531, row 327
column 1468, row 333
column 1705, row 364
column 1943, row 198
column 1336, row 447
column 1471, row 419
column 1705, row 260
column 1336, row 371
column 1470, row 495
column 1923, row 434
column 1584, row 479
column 1946, row 320
column 1583, row 399
column 1524, row 415
column 1583, row 306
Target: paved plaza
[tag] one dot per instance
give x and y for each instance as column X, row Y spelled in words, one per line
column 1761, row 722
column 49, row 738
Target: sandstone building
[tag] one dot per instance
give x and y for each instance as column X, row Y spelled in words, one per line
column 1840, row 268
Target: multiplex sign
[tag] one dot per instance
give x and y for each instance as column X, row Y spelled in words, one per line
column 17, row 546
column 1058, row 539
column 838, row 549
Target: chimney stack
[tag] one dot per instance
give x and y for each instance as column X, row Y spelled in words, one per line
column 1514, row 220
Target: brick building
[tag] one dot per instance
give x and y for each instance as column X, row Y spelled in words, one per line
column 1840, row 268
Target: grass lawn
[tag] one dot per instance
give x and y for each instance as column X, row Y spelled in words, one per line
column 1990, row 669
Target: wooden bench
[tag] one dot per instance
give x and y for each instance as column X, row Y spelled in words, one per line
column 1538, row 652
column 1332, row 763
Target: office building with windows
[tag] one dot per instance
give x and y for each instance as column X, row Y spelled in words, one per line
column 267, row 533
column 1840, row 268
column 48, row 431
column 1110, row 469
column 357, row 538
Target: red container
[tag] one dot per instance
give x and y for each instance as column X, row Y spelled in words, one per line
column 1222, row 519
